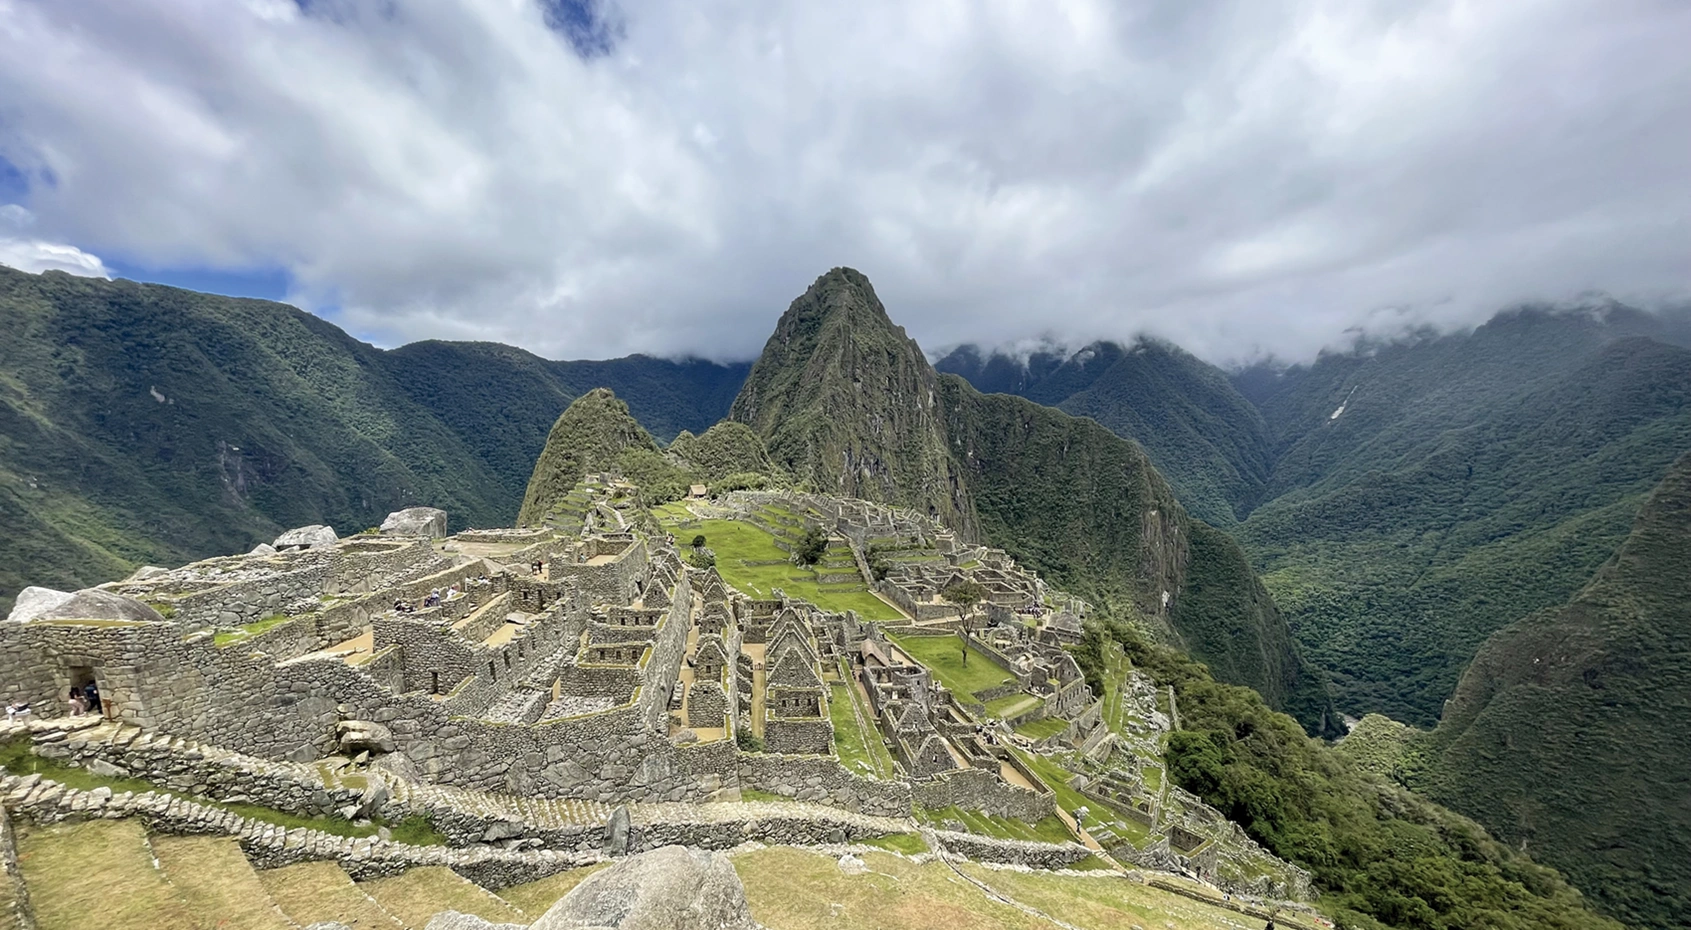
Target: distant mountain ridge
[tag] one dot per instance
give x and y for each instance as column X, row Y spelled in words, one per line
column 1405, row 499
column 141, row 423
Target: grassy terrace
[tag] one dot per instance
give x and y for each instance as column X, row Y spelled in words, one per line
column 1042, row 729
column 943, row 655
column 17, row 759
column 1049, row 830
column 1100, row 816
column 1012, row 704
column 799, row 890
column 858, row 745
column 740, row 546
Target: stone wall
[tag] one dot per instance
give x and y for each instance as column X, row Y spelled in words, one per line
column 798, row 735
column 238, row 603
column 824, row 780
column 707, row 705
column 1015, row 852
column 981, row 790
column 23, row 914
column 615, row 582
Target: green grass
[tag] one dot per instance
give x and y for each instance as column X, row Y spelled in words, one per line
column 252, row 629
column 737, row 542
column 1049, row 830
column 1042, row 729
column 859, row 746
column 17, row 759
column 1012, row 704
column 910, row 844
column 943, row 656
column 1099, row 814
column 752, row 794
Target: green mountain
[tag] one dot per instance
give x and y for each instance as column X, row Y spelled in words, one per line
column 591, row 435
column 141, row 423
column 1209, row 441
column 1427, row 494
column 1568, row 733
column 846, row 401
column 1403, row 500
column 1381, row 855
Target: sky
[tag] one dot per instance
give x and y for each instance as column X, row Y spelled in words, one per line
column 591, row 178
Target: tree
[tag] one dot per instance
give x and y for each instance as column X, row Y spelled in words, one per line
column 810, row 546
column 963, row 595
column 699, row 541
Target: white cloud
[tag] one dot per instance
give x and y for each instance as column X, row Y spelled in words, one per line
column 1239, row 177
column 35, row 256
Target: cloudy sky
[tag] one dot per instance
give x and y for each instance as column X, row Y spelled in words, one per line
column 589, row 179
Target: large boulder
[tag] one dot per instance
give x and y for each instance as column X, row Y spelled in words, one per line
column 32, row 602
column 358, row 736
column 94, row 604
column 314, row 536
column 673, row 888
column 416, row 521
column 145, row 572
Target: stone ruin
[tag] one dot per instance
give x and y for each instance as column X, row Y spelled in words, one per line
column 519, row 685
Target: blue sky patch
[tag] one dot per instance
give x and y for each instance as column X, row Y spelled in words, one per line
column 588, row 25
column 264, row 283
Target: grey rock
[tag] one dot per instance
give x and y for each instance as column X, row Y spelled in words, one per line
column 263, row 549
column 616, row 832
column 145, row 572
column 416, row 521
column 306, row 537
column 452, row 920
column 500, row 830
column 94, row 604
column 361, row 736
column 107, row 770
column 32, row 602
column 672, row 888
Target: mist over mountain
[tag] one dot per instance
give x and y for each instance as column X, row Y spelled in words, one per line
column 1406, row 498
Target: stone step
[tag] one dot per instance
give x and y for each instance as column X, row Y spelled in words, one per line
column 418, row 894
column 214, row 878
column 98, row 874
column 313, row 892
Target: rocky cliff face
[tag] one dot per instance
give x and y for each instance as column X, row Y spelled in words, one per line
column 1567, row 734
column 847, row 403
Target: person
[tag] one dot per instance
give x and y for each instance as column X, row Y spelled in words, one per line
column 78, row 704
column 17, row 709
column 91, row 692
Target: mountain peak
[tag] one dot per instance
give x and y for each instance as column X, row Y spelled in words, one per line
column 848, row 403
column 588, row 436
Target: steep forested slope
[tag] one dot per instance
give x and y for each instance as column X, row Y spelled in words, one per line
column 1403, row 499
column 844, row 399
column 1380, row 855
column 1568, row 733
column 1209, row 441
column 1429, row 493
column 141, row 423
